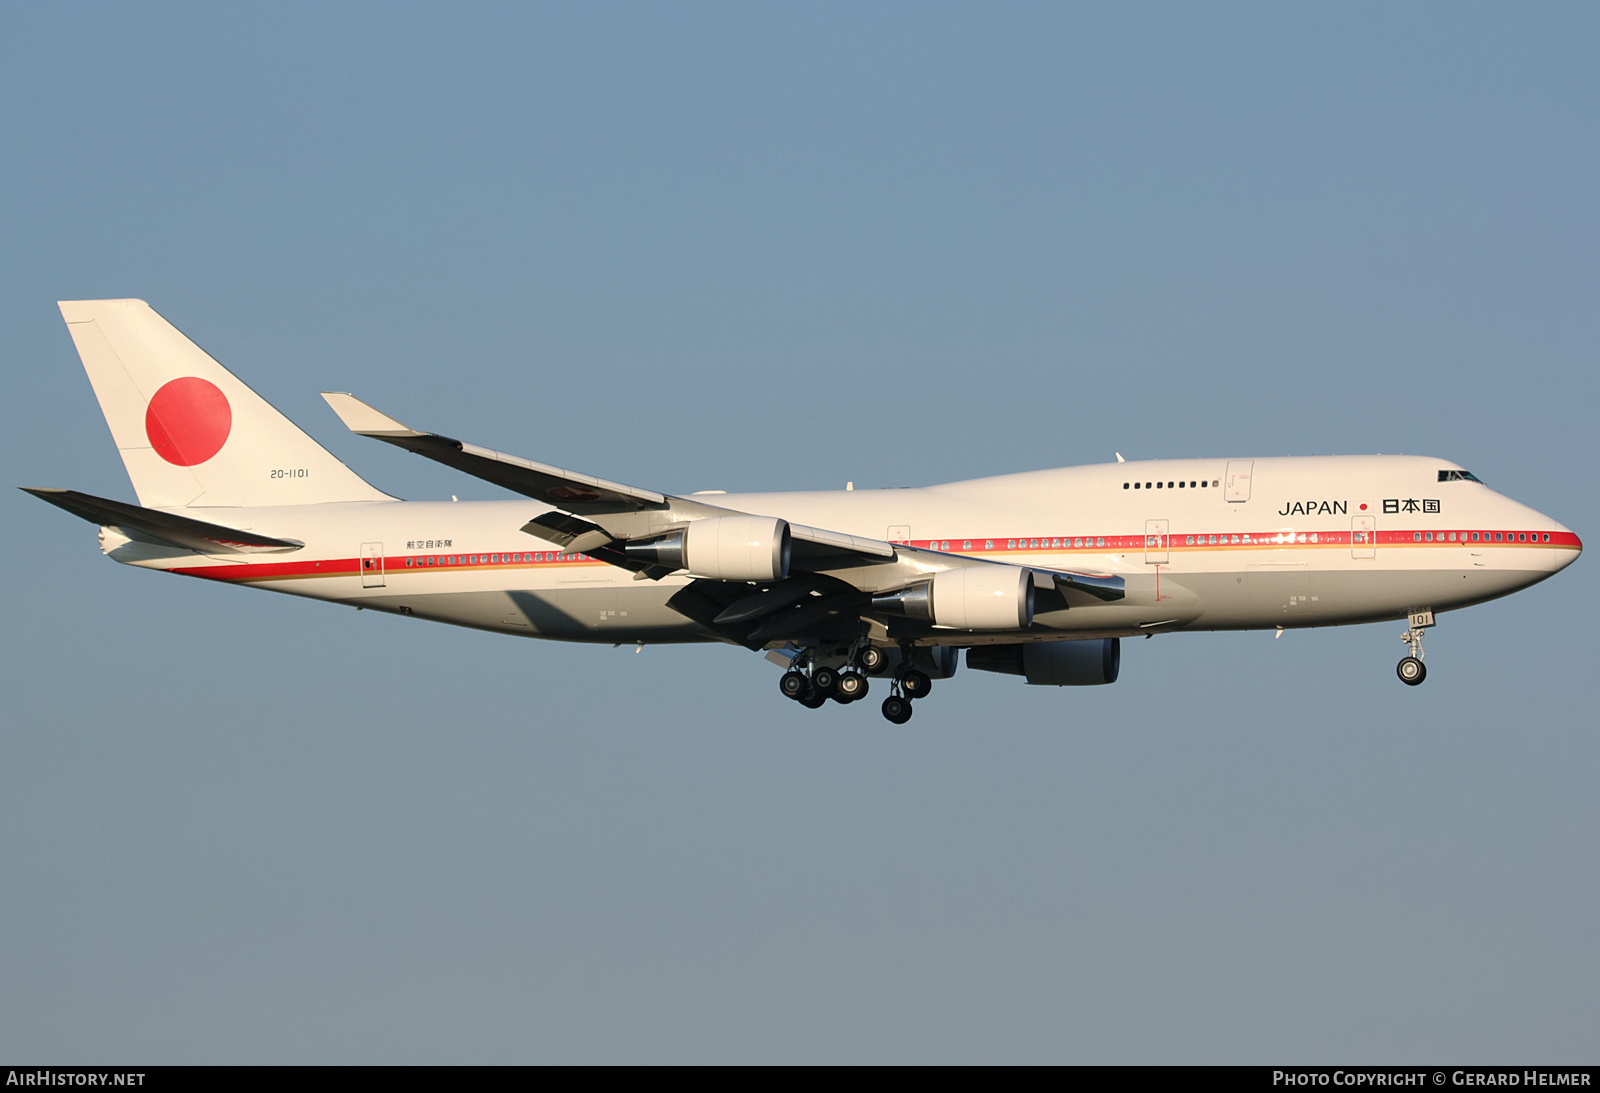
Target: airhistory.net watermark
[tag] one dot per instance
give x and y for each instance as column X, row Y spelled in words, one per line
column 47, row 1077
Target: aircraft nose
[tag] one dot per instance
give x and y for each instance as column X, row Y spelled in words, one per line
column 1568, row 547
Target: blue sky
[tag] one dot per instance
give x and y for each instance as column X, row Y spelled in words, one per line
column 757, row 246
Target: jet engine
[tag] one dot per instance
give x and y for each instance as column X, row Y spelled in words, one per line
column 1052, row 663
column 724, row 548
column 972, row 597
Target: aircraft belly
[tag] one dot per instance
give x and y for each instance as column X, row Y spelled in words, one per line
column 1288, row 595
column 603, row 613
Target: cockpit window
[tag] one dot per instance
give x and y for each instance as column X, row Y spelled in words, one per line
column 1458, row 476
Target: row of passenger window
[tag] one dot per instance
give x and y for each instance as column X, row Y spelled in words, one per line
column 1020, row 544
column 1053, row 544
column 1193, row 485
column 1499, row 537
column 1258, row 539
column 1216, row 540
column 493, row 559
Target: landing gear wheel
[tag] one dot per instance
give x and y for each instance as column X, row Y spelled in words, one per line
column 851, row 686
column 1411, row 671
column 814, row 701
column 897, row 710
column 872, row 660
column 825, row 680
column 916, row 684
column 794, row 685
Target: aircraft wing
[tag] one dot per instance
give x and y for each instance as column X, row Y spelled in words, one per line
column 579, row 494
column 562, row 489
column 834, row 578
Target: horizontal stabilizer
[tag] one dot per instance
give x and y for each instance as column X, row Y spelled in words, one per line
column 161, row 527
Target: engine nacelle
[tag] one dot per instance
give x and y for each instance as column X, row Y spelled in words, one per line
column 724, row 548
column 1052, row 663
column 971, row 597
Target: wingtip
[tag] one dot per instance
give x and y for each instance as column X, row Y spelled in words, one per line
column 82, row 311
column 362, row 419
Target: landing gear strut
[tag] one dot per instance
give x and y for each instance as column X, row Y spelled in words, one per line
column 908, row 684
column 1411, row 670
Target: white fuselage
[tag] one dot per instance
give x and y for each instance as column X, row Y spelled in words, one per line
column 1282, row 542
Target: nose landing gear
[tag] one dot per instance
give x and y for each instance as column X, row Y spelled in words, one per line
column 1411, row 670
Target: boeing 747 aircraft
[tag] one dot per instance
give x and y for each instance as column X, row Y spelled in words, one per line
column 1038, row 574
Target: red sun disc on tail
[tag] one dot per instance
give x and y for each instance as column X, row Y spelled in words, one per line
column 188, row 421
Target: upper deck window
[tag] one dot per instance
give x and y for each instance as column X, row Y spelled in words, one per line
column 1459, row 476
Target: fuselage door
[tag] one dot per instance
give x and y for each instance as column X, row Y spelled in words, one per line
column 1236, row 483
column 1155, row 542
column 371, row 565
column 899, row 533
column 1363, row 536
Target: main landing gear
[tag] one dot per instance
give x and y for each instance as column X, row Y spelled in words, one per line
column 1411, row 670
column 907, row 685
column 813, row 689
column 812, row 684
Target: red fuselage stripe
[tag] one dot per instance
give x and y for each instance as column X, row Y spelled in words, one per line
column 1188, row 544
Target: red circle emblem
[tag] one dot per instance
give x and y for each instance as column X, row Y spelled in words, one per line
column 188, row 421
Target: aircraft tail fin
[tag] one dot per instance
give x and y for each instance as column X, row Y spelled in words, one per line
column 189, row 432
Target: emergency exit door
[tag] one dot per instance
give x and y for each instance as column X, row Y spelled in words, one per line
column 1155, row 542
column 1363, row 536
column 371, row 565
column 1236, row 481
